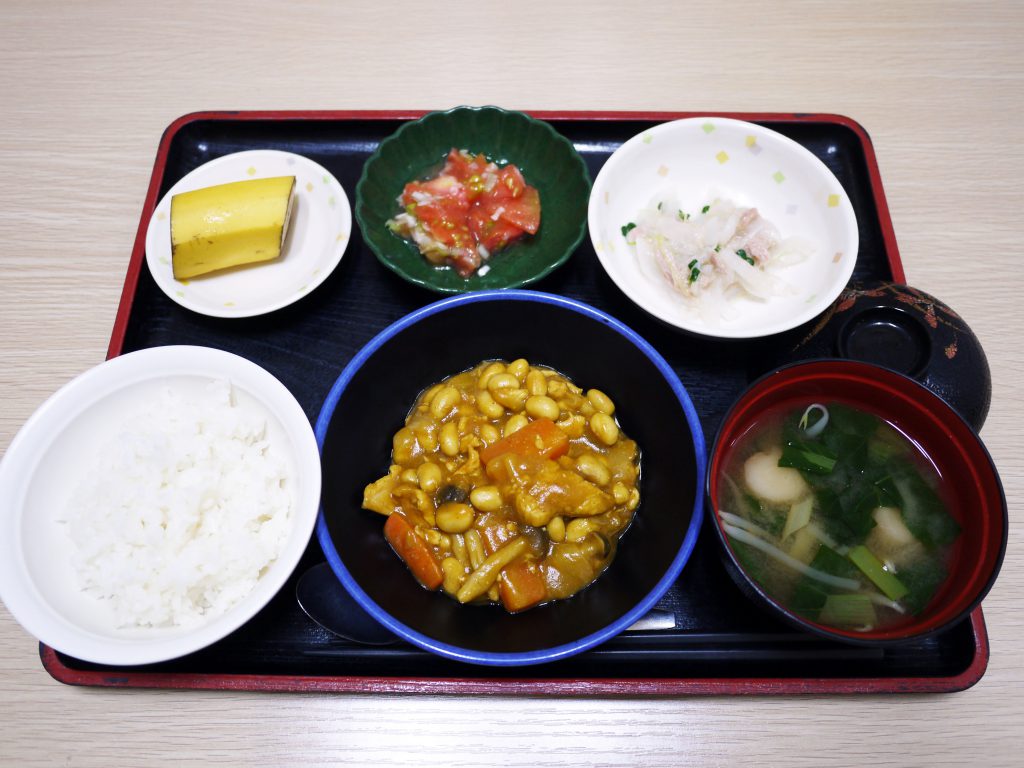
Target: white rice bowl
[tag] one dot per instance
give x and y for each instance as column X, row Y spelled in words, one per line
column 701, row 159
column 144, row 515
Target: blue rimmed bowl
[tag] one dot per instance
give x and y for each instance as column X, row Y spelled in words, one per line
column 418, row 149
column 369, row 402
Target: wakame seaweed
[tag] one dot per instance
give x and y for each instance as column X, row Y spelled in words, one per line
column 809, row 595
column 769, row 519
column 921, row 580
column 923, row 512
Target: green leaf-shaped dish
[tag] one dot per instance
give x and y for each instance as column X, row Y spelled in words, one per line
column 417, row 150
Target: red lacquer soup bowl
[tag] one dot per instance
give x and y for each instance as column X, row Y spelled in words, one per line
column 968, row 484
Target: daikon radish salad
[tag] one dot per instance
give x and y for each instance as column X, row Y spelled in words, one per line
column 723, row 228
column 714, row 256
column 838, row 516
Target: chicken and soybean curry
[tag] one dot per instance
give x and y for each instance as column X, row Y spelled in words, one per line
column 509, row 484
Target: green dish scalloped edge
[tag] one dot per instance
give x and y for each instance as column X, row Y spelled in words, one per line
column 547, row 160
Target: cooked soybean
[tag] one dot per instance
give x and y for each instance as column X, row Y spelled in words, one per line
column 542, row 407
column 601, row 401
column 443, row 402
column 449, row 439
column 429, row 476
column 486, row 498
column 454, row 517
column 605, row 428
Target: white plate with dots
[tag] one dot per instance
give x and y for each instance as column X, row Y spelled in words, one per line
column 317, row 236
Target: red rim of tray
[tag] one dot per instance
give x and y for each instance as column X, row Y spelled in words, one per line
column 525, row 685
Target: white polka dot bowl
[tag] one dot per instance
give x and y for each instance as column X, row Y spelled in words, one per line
column 317, row 236
column 695, row 162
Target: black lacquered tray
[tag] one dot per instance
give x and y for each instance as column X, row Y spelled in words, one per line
column 721, row 643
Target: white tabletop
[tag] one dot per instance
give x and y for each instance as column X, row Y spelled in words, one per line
column 85, row 93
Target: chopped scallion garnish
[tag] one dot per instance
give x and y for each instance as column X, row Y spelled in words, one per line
column 873, row 568
column 694, row 271
column 683, row 216
column 705, row 209
column 743, row 255
column 843, row 610
column 627, row 228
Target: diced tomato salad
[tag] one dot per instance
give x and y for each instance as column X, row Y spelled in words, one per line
column 470, row 210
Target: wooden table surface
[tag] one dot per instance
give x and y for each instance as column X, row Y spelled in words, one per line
column 86, row 90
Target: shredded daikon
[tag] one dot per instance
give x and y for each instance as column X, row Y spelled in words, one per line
column 715, row 255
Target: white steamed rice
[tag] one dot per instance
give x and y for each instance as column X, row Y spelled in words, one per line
column 182, row 512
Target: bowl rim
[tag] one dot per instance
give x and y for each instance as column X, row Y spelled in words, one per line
column 544, row 654
column 820, row 304
column 746, row 582
column 360, row 201
column 33, row 611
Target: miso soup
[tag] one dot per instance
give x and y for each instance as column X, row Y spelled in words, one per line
column 838, row 516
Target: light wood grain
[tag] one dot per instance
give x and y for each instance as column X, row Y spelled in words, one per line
column 87, row 89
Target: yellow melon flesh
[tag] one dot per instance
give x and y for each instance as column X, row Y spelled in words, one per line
column 244, row 222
